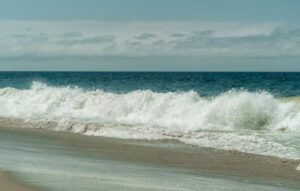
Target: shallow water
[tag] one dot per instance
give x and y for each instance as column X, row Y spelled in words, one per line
column 51, row 164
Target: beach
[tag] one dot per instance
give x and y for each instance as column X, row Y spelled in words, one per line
column 234, row 166
column 131, row 95
column 169, row 131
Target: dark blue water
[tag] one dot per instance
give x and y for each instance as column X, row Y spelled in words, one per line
column 206, row 84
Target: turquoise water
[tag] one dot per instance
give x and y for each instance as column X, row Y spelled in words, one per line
column 51, row 164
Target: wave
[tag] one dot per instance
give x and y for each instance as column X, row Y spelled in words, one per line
column 146, row 114
column 178, row 111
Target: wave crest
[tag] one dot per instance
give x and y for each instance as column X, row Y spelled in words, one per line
column 172, row 111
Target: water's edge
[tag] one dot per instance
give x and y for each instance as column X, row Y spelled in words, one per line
column 174, row 154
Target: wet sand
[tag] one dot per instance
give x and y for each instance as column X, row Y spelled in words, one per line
column 172, row 154
column 8, row 184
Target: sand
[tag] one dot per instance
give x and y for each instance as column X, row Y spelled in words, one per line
column 174, row 154
column 8, row 184
column 168, row 154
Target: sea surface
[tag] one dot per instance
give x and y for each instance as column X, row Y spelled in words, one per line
column 249, row 112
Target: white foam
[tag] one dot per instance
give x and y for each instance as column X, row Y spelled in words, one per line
column 151, row 115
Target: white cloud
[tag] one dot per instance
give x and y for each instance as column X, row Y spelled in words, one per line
column 91, row 38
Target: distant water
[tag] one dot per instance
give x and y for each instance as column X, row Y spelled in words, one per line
column 249, row 112
column 204, row 83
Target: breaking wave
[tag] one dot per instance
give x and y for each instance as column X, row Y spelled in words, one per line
column 178, row 111
column 186, row 116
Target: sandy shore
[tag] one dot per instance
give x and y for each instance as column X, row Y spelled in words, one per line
column 169, row 154
column 174, row 154
column 8, row 184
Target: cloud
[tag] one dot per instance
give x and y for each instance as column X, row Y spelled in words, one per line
column 176, row 35
column 88, row 40
column 281, row 41
column 159, row 42
column 27, row 38
column 135, row 39
column 204, row 33
column 71, row 35
column 145, row 36
column 132, row 43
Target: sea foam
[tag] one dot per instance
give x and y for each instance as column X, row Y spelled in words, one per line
column 231, row 120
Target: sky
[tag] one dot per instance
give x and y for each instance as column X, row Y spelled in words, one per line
column 150, row 35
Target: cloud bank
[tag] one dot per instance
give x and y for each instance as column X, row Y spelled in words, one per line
column 140, row 39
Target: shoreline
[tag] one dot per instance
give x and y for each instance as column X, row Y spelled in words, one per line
column 170, row 154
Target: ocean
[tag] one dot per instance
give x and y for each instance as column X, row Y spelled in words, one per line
column 248, row 112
